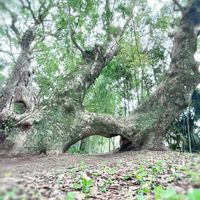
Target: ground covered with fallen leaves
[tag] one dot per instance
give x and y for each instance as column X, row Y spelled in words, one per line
column 120, row 176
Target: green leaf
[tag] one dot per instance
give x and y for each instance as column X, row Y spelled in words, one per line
column 77, row 186
column 1, row 66
column 140, row 197
column 70, row 196
column 2, row 31
column 194, row 194
column 170, row 194
column 2, row 79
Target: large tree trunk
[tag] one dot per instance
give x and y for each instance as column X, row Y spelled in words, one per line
column 19, row 98
column 19, row 88
column 146, row 127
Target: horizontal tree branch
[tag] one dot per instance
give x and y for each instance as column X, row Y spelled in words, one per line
column 89, row 124
column 148, row 123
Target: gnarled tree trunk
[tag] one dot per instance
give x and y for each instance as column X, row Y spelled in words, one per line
column 146, row 127
column 19, row 98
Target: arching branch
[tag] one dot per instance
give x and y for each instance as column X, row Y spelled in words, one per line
column 147, row 125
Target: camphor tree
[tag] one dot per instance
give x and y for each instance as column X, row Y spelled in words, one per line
column 19, row 98
column 79, row 38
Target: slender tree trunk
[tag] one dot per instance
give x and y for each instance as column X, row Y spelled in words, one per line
column 188, row 130
column 136, row 88
column 83, row 145
column 142, row 85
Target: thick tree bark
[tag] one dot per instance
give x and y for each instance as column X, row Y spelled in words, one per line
column 148, row 124
column 19, row 98
column 19, row 87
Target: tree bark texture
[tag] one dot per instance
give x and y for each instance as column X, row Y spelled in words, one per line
column 146, row 127
column 18, row 99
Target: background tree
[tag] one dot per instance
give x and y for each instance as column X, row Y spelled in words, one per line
column 184, row 132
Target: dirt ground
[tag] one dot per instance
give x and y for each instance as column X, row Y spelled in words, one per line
column 109, row 176
column 42, row 163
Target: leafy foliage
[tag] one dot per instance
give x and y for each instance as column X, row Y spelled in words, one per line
column 184, row 130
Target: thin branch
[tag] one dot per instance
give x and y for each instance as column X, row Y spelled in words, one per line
column 180, row 7
column 14, row 28
column 38, row 20
column 128, row 20
column 72, row 35
column 7, row 52
column 117, row 38
column 10, row 45
column 108, row 14
column 42, row 6
column 29, row 7
column 14, row 20
column 75, row 43
column 43, row 11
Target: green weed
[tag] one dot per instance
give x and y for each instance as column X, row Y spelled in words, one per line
column 70, row 196
column 84, row 185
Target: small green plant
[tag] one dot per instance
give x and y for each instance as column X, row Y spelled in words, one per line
column 70, row 196
column 77, row 186
column 194, row 176
column 157, row 168
column 194, row 194
column 141, row 173
column 95, row 173
column 145, row 188
column 103, row 187
column 9, row 194
column 171, row 194
column 127, row 176
column 83, row 166
column 168, row 194
column 73, row 170
column 158, row 191
column 84, row 184
column 110, row 170
column 140, row 197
